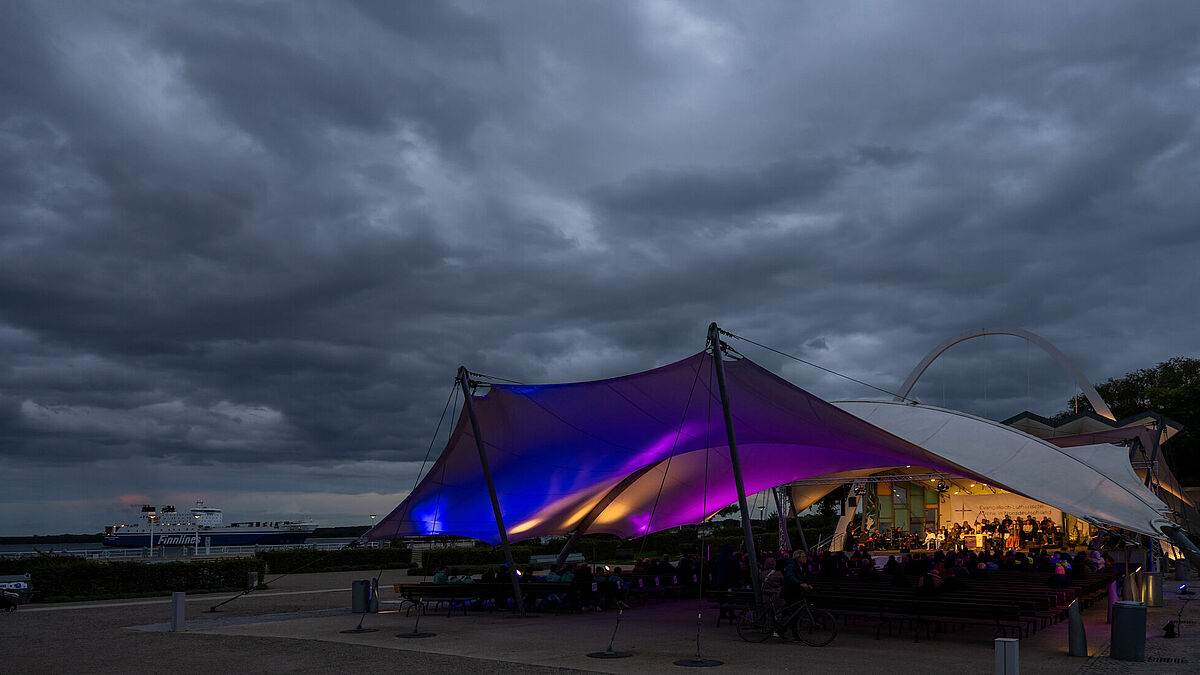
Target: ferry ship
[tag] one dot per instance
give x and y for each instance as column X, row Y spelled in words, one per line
column 203, row 526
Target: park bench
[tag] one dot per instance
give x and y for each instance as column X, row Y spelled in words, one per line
column 423, row 595
column 730, row 603
column 461, row 596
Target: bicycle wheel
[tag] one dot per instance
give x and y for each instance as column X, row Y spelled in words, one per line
column 814, row 627
column 755, row 625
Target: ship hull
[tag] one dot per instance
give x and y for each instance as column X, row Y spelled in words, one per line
column 209, row 538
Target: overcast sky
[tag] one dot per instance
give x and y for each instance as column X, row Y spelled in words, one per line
column 246, row 245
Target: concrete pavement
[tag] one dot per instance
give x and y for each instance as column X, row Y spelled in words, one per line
column 295, row 627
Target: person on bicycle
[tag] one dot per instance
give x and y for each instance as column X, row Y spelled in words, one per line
column 795, row 577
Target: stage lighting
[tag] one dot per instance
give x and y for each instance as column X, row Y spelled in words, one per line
column 1183, row 590
column 941, row 486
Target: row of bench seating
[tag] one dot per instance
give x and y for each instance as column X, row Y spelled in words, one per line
column 551, row 596
column 1009, row 603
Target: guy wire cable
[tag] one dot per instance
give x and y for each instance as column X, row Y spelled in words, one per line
column 667, row 469
column 323, row 554
column 814, row 365
column 437, row 505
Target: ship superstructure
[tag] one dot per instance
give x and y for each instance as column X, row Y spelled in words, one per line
column 203, row 525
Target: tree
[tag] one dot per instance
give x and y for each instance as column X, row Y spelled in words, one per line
column 730, row 510
column 1172, row 389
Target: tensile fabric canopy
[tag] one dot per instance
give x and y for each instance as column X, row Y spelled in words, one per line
column 637, row 454
column 1094, row 481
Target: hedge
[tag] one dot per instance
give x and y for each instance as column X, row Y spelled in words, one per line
column 597, row 549
column 58, row 578
column 478, row 556
column 293, row 560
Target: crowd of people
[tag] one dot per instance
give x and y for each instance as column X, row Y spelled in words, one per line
column 1007, row 533
column 786, row 574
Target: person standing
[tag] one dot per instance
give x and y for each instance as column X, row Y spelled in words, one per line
column 725, row 576
column 772, row 584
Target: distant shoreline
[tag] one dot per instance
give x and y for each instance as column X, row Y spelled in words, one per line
column 48, row 539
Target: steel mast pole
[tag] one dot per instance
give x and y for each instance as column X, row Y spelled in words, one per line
column 714, row 341
column 464, row 379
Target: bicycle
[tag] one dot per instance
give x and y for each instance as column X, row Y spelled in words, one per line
column 811, row 625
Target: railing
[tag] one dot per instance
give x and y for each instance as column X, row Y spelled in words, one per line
column 180, row 552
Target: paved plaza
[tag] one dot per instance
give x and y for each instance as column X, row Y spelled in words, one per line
column 295, row 627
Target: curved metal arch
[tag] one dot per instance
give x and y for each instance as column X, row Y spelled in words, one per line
column 1086, row 387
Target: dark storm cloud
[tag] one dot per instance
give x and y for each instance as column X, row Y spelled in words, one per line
column 245, row 246
column 717, row 194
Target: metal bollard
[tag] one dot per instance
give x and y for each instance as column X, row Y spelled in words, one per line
column 1183, row 570
column 1008, row 660
column 1113, row 599
column 1076, row 636
column 360, row 596
column 178, row 611
column 1131, row 591
column 1152, row 587
column 1128, row 632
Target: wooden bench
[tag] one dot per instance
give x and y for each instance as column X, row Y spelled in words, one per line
column 422, row 595
column 461, row 596
column 929, row 613
column 1041, row 605
column 729, row 603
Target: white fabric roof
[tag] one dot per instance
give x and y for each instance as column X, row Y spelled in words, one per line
column 1093, row 482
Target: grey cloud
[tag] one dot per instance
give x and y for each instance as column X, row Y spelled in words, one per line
column 719, row 193
column 250, row 244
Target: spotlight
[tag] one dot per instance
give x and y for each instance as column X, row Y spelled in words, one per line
column 941, row 486
column 858, row 489
column 1183, row 590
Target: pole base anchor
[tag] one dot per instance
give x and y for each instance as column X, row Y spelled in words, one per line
column 609, row 655
column 699, row 663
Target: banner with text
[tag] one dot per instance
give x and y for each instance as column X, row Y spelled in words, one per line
column 975, row 508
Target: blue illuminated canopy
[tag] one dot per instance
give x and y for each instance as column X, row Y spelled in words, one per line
column 636, row 454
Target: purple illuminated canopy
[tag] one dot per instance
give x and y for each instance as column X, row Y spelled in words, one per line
column 636, row 454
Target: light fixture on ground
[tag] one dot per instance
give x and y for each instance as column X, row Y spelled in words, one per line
column 697, row 661
column 416, row 631
column 609, row 653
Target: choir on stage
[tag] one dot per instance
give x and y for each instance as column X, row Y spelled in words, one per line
column 1007, row 533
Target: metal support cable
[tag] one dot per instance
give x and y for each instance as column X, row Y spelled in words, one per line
column 492, row 377
column 818, row 367
column 675, row 444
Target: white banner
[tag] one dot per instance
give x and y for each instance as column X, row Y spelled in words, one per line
column 975, row 508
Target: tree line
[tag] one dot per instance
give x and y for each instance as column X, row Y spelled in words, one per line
column 1171, row 389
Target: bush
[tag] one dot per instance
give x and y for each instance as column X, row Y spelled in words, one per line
column 294, row 560
column 58, row 578
column 476, row 557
